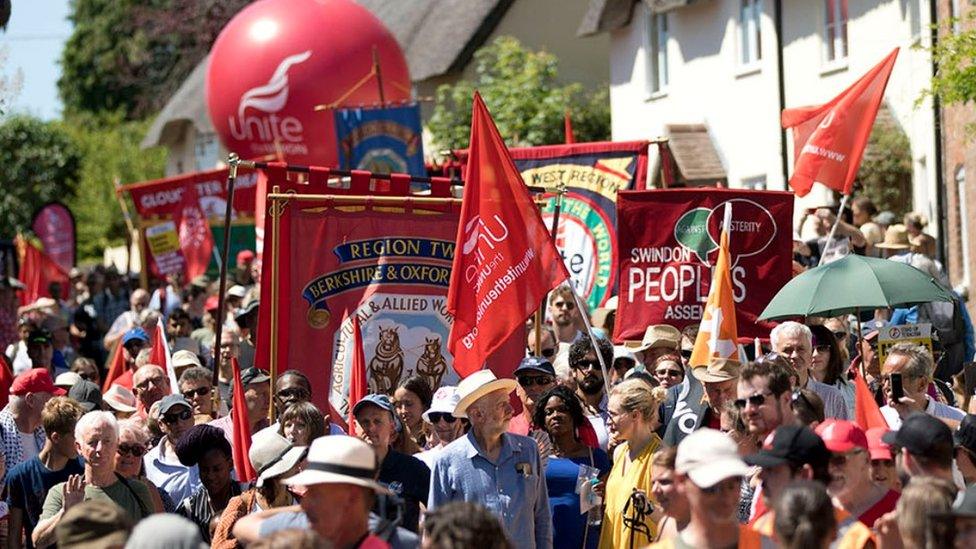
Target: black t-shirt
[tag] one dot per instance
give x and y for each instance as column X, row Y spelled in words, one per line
column 408, row 478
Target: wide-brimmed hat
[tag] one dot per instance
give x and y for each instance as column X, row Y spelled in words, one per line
column 339, row 459
column 185, row 358
column 120, row 399
column 445, row 401
column 718, row 370
column 896, row 238
column 273, row 455
column 66, row 380
column 657, row 336
column 478, row 385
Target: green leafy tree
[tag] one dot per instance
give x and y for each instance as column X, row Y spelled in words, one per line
column 40, row 164
column 131, row 55
column 954, row 82
column 526, row 100
column 885, row 174
column 110, row 151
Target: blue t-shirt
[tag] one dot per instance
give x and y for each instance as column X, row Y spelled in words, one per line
column 28, row 484
column 408, row 478
column 568, row 525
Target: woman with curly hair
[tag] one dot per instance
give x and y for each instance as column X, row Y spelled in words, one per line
column 560, row 414
column 629, row 520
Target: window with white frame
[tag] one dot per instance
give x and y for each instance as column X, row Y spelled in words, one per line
column 963, row 222
column 756, row 183
column 206, row 151
column 750, row 43
column 835, row 30
column 657, row 53
column 955, row 15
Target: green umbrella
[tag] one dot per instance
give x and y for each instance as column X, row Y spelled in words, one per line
column 852, row 284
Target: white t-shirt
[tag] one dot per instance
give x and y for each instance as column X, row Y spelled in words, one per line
column 934, row 408
column 29, row 445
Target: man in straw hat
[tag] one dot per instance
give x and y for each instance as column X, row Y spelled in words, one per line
column 490, row 466
column 659, row 340
column 339, row 490
column 698, row 401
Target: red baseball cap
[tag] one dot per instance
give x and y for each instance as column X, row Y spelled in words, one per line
column 212, row 303
column 35, row 380
column 840, row 435
column 245, row 255
column 877, row 448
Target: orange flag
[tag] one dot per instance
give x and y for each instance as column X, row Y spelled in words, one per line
column 357, row 377
column 866, row 412
column 717, row 334
column 829, row 139
column 242, row 428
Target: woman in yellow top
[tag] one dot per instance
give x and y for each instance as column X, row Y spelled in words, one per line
column 629, row 518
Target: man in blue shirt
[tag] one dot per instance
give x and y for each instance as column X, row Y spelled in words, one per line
column 29, row 482
column 492, row 467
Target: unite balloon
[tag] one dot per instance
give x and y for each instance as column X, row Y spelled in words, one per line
column 277, row 59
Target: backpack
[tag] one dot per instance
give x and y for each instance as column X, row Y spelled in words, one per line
column 947, row 321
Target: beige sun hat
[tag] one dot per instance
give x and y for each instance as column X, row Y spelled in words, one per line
column 120, row 399
column 655, row 336
column 339, row 459
column 478, row 385
column 272, row 455
column 718, row 370
column 896, row 238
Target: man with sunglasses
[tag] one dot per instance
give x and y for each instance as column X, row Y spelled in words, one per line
column 591, row 388
column 196, row 385
column 293, row 387
column 163, row 467
column 764, row 391
column 791, row 453
column 547, row 339
column 440, row 416
column 535, row 375
column 794, row 341
column 914, row 364
column 850, row 487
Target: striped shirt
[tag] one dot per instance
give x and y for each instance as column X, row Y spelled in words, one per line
column 198, row 508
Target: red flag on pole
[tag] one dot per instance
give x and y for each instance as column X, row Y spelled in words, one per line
column 829, row 139
column 242, row 428
column 504, row 260
column 568, row 129
column 160, row 356
column 116, row 366
column 37, row 272
column 357, row 377
column 866, row 412
column 6, row 379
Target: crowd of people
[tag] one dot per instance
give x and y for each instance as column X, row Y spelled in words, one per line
column 588, row 444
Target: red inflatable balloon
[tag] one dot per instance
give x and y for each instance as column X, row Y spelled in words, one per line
column 277, row 59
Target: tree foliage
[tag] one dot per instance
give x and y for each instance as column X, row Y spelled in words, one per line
column 110, row 152
column 40, row 164
column 131, row 55
column 885, row 174
column 525, row 98
column 954, row 82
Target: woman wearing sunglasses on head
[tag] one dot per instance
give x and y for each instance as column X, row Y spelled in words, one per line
column 443, row 424
column 560, row 414
column 133, row 445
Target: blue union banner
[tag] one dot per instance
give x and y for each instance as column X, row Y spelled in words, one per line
column 381, row 140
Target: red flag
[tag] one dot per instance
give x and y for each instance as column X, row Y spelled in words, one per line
column 357, row 377
column 242, row 428
column 160, row 356
column 504, row 260
column 568, row 129
column 6, row 379
column 37, row 271
column 196, row 240
column 866, row 412
column 829, row 139
column 116, row 366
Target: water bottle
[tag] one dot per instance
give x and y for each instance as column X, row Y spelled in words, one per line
column 594, row 517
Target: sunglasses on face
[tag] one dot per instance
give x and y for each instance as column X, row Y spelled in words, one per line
column 587, row 365
column 297, row 392
column 199, row 391
column 436, row 417
column 668, row 372
column 170, row 419
column 757, row 400
column 133, row 450
column 528, row 381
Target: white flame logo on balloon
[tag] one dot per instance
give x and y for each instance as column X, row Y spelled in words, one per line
column 272, row 96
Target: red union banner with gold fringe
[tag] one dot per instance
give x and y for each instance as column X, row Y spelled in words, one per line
column 386, row 264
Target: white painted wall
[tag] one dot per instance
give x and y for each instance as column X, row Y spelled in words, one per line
column 740, row 105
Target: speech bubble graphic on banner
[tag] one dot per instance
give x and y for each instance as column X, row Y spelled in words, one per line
column 753, row 228
column 691, row 232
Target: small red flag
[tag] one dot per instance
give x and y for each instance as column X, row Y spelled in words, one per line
column 866, row 412
column 6, row 379
column 242, row 428
column 568, row 129
column 37, row 272
column 829, row 139
column 196, row 240
column 160, row 356
column 505, row 261
column 116, row 366
column 357, row 377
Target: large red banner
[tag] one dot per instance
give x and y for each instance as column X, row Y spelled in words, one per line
column 54, row 226
column 163, row 197
column 669, row 245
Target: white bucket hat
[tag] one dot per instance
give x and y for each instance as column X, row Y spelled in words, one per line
column 339, row 459
column 272, row 455
column 476, row 386
column 120, row 399
column 445, row 401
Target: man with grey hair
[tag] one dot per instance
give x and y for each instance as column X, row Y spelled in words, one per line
column 97, row 440
column 914, row 364
column 794, row 341
column 150, row 385
column 196, row 384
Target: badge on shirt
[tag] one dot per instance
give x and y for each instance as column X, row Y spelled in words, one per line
column 525, row 468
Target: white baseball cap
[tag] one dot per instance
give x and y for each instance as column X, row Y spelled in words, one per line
column 444, row 401
column 708, row 457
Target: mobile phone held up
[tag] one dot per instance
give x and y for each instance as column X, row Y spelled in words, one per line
column 897, row 388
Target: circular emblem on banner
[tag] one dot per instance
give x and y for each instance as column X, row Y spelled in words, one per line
column 383, row 161
column 318, row 318
column 584, row 240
